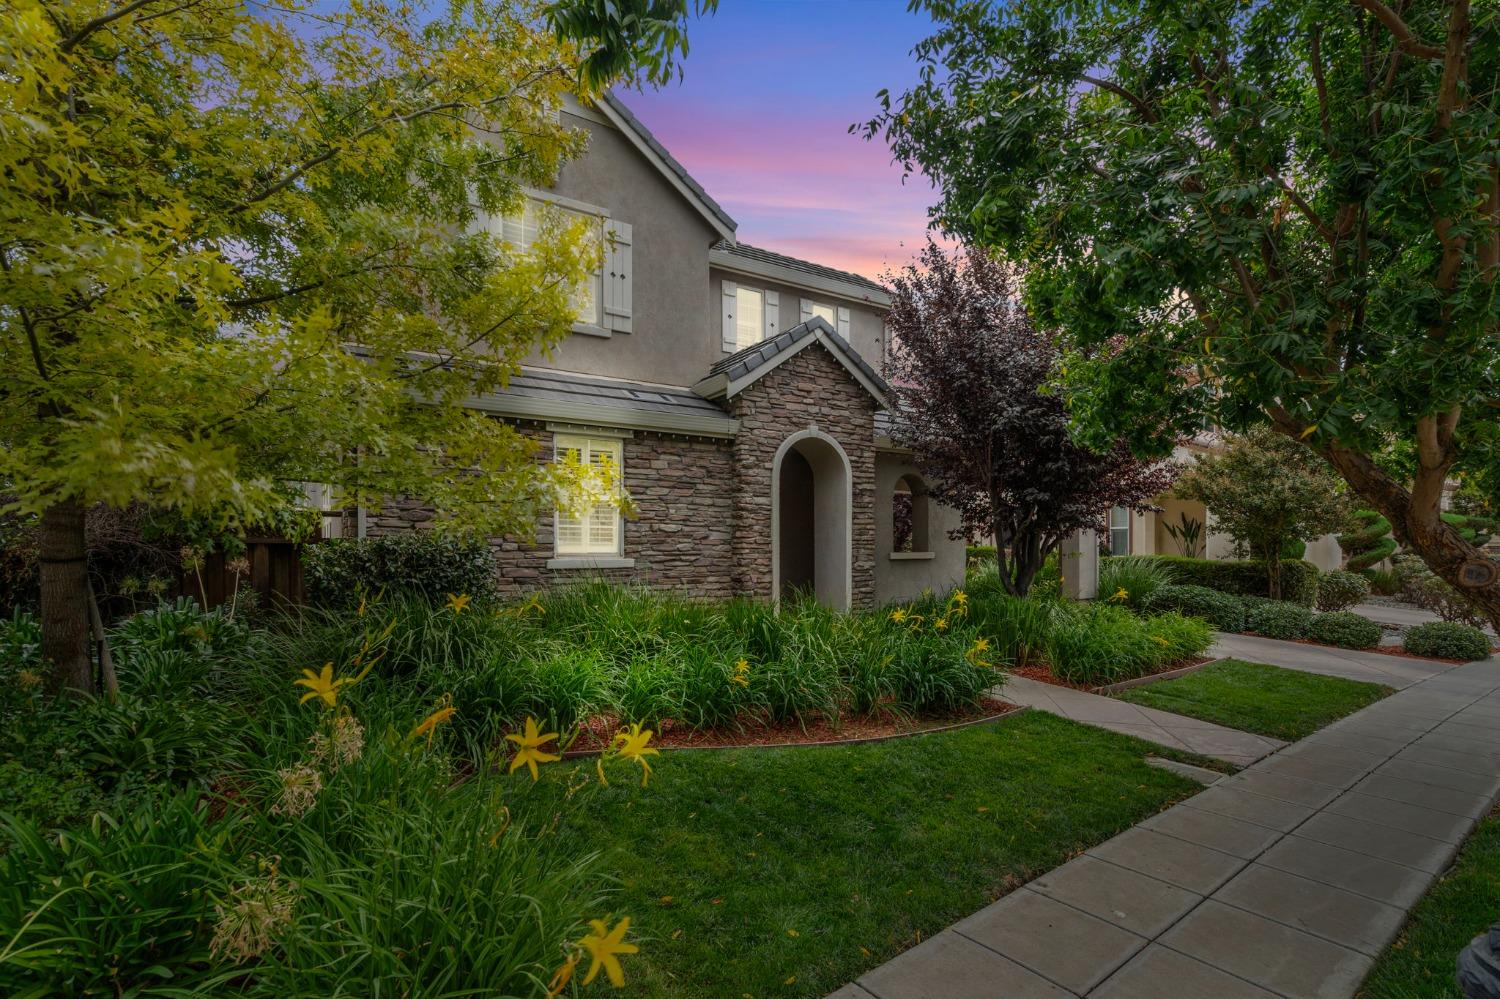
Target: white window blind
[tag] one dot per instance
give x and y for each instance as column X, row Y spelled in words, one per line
column 749, row 316
column 596, row 532
column 827, row 313
column 1119, row 531
column 521, row 229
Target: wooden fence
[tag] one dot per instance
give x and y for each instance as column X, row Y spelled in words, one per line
column 275, row 574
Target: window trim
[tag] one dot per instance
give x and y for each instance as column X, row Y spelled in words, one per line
column 585, row 558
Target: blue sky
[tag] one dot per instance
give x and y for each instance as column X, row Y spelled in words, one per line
column 761, row 117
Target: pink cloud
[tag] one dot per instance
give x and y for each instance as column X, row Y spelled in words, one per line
column 800, row 184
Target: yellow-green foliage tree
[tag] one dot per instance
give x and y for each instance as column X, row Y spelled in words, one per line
column 246, row 247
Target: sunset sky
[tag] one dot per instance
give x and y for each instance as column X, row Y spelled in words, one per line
column 761, row 120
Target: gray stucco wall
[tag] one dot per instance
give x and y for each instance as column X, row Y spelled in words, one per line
column 866, row 323
column 898, row 580
column 675, row 336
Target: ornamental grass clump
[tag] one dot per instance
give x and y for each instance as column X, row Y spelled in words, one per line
column 1098, row 644
column 1132, row 580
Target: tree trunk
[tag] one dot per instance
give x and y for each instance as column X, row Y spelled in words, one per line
column 1416, row 520
column 1273, row 573
column 63, row 550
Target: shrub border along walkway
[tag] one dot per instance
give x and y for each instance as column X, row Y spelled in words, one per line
column 1291, row 876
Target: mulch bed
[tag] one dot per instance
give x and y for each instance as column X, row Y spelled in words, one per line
column 597, row 732
column 1043, row 674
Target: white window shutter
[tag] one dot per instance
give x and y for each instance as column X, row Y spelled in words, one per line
column 773, row 314
column 843, row 324
column 618, row 268
column 807, row 310
column 727, row 307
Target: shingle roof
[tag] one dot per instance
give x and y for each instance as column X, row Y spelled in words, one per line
column 754, row 253
column 619, row 108
column 745, row 363
column 562, row 395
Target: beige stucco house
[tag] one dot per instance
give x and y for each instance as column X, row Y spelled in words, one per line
column 739, row 391
column 1152, row 532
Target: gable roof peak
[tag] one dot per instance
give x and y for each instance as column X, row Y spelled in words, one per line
column 737, row 372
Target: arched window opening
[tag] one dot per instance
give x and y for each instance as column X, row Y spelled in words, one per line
column 909, row 516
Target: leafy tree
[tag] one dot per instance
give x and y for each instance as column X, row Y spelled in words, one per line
column 969, row 375
column 1268, row 493
column 245, row 248
column 1280, row 213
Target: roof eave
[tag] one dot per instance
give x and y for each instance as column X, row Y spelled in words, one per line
column 726, row 261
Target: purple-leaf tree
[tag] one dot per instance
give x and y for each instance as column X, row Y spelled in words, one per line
column 969, row 376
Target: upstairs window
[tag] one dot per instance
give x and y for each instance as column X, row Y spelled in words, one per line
column 749, row 316
column 597, row 531
column 837, row 316
column 827, row 313
column 521, row 229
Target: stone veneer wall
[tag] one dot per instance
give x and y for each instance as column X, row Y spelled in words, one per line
column 681, row 540
column 812, row 389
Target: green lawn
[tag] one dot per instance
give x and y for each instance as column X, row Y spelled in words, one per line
column 1253, row 697
column 1458, row 908
column 789, row 872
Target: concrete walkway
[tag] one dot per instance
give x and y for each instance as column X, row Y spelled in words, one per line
column 1160, row 727
column 1371, row 667
column 1286, row 879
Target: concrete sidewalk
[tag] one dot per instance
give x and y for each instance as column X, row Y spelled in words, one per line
column 1160, row 727
column 1371, row 667
column 1286, row 879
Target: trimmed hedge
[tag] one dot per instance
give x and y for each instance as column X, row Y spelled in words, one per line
column 1345, row 629
column 1339, row 590
column 1245, row 577
column 342, row 571
column 1447, row 640
column 1279, row 619
column 1224, row 611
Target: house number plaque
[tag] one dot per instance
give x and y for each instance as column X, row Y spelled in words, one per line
column 1478, row 572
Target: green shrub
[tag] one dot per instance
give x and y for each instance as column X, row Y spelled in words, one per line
column 1178, row 636
column 1344, row 629
column 341, row 572
column 1369, row 543
column 977, row 554
column 1423, row 587
column 1244, row 577
column 1132, row 579
column 1279, row 619
column 1385, row 582
column 1447, row 640
column 1225, row 611
column 1339, row 590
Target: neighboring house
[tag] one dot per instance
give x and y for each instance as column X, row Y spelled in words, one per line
column 1132, row 533
column 739, row 391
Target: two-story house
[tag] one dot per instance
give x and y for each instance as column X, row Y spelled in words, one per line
column 738, row 391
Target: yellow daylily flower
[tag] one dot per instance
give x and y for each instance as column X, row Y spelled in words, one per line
column 458, row 602
column 979, row 648
column 603, row 945
column 428, row 726
column 741, row 673
column 632, row 746
column 1308, row 432
column 528, row 751
column 323, row 685
column 898, row 615
column 562, row 977
column 941, row 624
column 1121, row 595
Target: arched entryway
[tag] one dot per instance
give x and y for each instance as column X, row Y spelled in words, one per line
column 811, row 505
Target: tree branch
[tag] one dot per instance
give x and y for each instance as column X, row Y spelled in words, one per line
column 1141, row 106
column 1392, row 20
column 102, row 21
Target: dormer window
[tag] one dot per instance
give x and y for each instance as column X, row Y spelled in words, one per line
column 837, row 316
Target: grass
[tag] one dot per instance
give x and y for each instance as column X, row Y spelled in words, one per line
column 790, row 872
column 1420, row 964
column 1254, row 697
